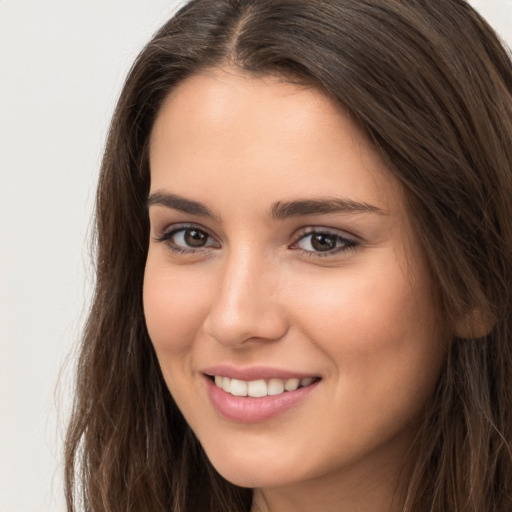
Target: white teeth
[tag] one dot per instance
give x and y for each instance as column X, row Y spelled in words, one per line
column 275, row 387
column 292, row 384
column 257, row 388
column 238, row 387
column 260, row 388
column 226, row 384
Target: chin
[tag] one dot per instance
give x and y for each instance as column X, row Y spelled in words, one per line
column 254, row 479
column 264, row 474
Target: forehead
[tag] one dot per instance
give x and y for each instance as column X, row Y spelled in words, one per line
column 220, row 129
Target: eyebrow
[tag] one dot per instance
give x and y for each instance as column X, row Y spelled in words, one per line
column 279, row 211
column 283, row 210
column 179, row 203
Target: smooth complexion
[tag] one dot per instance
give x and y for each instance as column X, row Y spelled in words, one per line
column 280, row 247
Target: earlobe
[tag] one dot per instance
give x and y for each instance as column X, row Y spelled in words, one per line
column 475, row 324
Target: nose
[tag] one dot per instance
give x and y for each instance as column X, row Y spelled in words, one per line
column 246, row 307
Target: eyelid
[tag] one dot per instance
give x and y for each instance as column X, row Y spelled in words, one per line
column 314, row 228
column 350, row 241
column 166, row 234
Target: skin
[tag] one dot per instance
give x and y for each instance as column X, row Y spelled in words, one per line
column 362, row 317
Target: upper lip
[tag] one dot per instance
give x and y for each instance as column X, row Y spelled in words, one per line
column 250, row 373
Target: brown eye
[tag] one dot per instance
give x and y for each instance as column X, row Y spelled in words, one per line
column 323, row 242
column 195, row 238
column 188, row 239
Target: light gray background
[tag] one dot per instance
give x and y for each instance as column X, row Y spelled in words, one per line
column 62, row 63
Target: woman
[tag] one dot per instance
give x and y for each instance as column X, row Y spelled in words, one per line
column 304, row 266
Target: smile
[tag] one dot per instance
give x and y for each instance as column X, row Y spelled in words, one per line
column 260, row 399
column 260, row 388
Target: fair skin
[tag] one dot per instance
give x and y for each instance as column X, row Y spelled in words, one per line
column 280, row 248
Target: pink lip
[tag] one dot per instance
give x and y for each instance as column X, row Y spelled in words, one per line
column 254, row 410
column 254, row 372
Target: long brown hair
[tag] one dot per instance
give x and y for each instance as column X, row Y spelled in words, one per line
column 431, row 85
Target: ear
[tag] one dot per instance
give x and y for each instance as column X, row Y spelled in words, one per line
column 475, row 324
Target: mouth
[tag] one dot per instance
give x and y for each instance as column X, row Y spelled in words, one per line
column 254, row 394
column 261, row 387
column 260, row 399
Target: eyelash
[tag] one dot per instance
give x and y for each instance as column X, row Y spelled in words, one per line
column 166, row 237
column 347, row 244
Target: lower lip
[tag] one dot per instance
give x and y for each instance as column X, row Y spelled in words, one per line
column 245, row 409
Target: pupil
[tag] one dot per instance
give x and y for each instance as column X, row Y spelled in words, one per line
column 323, row 242
column 195, row 238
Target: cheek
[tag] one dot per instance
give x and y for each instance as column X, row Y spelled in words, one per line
column 375, row 326
column 379, row 332
column 173, row 307
column 357, row 309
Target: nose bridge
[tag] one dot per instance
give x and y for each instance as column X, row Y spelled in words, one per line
column 246, row 305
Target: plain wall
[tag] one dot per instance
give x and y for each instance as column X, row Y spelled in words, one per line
column 62, row 63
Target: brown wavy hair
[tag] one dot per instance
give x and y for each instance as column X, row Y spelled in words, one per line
column 431, row 85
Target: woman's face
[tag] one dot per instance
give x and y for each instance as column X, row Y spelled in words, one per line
column 281, row 255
